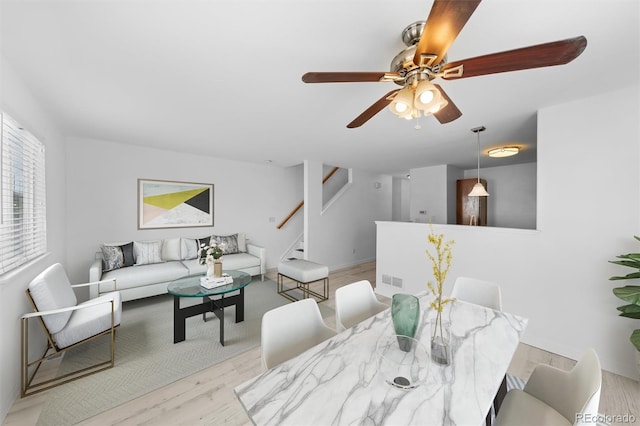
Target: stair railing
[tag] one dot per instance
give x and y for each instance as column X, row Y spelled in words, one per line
column 299, row 206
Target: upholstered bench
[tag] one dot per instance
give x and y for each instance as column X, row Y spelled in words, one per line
column 304, row 273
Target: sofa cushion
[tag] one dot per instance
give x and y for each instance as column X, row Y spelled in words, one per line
column 170, row 249
column 148, row 252
column 143, row 275
column 51, row 290
column 116, row 256
column 229, row 262
column 194, row 267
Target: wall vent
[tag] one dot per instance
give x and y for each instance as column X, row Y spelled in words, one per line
column 396, row 282
column 386, row 279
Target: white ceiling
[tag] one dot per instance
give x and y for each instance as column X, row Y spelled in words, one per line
column 223, row 77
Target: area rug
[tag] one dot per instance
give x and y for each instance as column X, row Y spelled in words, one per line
column 147, row 358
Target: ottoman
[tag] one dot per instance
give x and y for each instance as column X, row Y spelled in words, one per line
column 304, row 273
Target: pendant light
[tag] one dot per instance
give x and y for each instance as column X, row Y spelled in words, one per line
column 478, row 190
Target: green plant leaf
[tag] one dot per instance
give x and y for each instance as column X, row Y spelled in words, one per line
column 635, row 338
column 626, row 262
column 629, row 311
column 630, row 276
column 629, row 308
column 629, row 293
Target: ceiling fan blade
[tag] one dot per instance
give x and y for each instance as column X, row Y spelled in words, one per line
column 449, row 112
column 445, row 21
column 373, row 110
column 349, row 77
column 541, row 55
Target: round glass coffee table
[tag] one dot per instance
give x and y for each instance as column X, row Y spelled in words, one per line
column 213, row 300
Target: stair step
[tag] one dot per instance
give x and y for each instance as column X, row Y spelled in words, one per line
column 300, row 250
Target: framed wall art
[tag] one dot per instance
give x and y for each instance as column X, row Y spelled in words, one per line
column 167, row 204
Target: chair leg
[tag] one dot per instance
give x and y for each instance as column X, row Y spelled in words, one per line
column 29, row 388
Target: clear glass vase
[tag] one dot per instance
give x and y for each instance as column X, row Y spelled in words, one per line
column 405, row 314
column 440, row 330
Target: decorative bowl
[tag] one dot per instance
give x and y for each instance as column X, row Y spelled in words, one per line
column 404, row 361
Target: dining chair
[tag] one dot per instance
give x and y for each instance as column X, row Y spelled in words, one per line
column 556, row 397
column 290, row 330
column 67, row 324
column 479, row 292
column 356, row 302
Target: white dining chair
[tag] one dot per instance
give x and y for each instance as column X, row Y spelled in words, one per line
column 356, row 302
column 479, row 292
column 556, row 397
column 290, row 330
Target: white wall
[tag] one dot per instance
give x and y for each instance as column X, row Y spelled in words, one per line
column 588, row 210
column 401, row 196
column 345, row 234
column 429, row 194
column 512, row 203
column 17, row 101
column 102, row 203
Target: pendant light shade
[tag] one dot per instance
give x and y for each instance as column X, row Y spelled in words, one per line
column 478, row 189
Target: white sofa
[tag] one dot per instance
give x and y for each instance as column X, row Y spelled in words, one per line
column 146, row 270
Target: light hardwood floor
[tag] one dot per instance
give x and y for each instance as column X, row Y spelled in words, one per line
column 207, row 397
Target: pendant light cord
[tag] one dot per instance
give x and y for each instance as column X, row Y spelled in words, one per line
column 478, row 134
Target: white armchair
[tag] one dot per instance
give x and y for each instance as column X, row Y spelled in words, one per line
column 66, row 324
column 556, row 397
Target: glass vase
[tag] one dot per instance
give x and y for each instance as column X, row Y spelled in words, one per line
column 405, row 314
column 440, row 330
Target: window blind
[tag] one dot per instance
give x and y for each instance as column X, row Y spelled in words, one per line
column 23, row 233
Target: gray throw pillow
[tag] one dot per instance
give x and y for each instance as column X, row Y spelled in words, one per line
column 230, row 242
column 116, row 256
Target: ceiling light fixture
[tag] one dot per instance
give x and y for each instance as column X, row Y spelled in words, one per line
column 417, row 99
column 505, row 151
column 478, row 190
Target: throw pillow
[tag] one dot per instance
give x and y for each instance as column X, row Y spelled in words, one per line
column 230, row 242
column 171, row 249
column 148, row 252
column 188, row 248
column 116, row 256
column 242, row 242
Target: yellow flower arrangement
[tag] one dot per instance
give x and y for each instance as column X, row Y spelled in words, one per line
column 441, row 263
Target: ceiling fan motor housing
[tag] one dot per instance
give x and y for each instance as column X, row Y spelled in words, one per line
column 403, row 63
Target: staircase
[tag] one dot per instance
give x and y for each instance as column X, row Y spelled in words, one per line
column 295, row 250
column 342, row 180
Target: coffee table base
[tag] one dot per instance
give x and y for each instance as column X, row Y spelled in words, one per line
column 208, row 305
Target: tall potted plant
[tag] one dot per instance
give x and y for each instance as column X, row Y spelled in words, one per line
column 630, row 294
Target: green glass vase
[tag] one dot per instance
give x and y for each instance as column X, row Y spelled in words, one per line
column 405, row 313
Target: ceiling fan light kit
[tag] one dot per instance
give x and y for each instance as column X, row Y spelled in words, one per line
column 418, row 99
column 425, row 59
column 504, row 151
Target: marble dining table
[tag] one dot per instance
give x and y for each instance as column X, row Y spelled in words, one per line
column 338, row 382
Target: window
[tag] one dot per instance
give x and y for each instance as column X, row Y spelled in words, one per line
column 23, row 233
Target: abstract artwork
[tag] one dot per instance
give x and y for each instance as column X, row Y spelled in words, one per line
column 165, row 204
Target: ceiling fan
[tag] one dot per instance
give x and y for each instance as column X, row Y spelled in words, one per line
column 425, row 59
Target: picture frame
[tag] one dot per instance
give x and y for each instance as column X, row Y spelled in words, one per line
column 174, row 204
